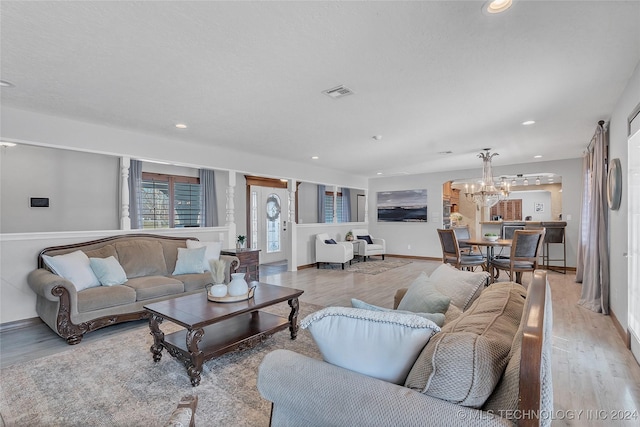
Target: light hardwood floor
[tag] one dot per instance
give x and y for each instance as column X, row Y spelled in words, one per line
column 593, row 372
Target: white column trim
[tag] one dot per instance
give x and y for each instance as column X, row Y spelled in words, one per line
column 125, row 220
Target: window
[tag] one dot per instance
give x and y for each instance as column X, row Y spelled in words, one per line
column 170, row 201
column 273, row 223
column 328, row 207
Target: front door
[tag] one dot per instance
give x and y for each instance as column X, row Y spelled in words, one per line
column 269, row 208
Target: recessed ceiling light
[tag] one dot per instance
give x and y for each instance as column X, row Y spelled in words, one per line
column 314, row 157
column 537, row 156
column 377, row 137
column 5, row 83
column 7, row 144
column 181, row 126
column 528, row 122
column 379, row 173
column 497, row 6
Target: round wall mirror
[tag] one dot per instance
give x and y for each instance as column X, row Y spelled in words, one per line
column 614, row 184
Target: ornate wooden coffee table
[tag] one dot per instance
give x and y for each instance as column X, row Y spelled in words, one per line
column 214, row 328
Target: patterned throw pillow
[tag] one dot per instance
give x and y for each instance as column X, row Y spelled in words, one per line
column 465, row 361
column 422, row 297
column 463, row 287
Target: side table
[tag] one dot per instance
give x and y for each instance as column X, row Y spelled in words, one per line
column 249, row 262
column 356, row 247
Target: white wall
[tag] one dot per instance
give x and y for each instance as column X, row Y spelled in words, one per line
column 41, row 129
column 82, row 189
column 529, row 199
column 618, row 225
column 421, row 239
column 307, row 203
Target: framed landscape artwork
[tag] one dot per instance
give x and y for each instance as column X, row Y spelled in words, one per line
column 402, row 206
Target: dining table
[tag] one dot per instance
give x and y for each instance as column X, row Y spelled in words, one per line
column 490, row 245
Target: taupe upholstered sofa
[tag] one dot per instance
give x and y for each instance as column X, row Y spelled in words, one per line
column 311, row 392
column 148, row 261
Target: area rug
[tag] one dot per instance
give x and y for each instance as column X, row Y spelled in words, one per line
column 114, row 382
column 376, row 266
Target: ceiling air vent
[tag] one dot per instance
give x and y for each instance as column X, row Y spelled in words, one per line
column 338, row 92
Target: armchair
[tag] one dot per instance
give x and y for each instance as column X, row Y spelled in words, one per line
column 366, row 248
column 339, row 252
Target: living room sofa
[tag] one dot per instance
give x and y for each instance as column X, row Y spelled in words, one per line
column 312, row 392
column 148, row 262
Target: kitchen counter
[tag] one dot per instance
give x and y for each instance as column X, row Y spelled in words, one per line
column 526, row 222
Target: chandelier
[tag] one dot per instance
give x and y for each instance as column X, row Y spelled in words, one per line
column 488, row 194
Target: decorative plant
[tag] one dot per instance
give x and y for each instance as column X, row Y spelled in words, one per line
column 240, row 239
column 490, row 234
column 217, row 270
column 348, row 236
column 456, row 216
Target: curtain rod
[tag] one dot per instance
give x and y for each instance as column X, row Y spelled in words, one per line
column 601, row 123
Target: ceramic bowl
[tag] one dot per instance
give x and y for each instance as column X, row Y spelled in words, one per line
column 491, row 238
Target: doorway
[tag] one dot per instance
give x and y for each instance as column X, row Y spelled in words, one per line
column 268, row 229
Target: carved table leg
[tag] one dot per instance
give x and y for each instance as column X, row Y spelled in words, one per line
column 293, row 317
column 158, row 337
column 194, row 367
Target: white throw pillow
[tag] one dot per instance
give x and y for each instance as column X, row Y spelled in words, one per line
column 463, row 287
column 378, row 344
column 212, row 252
column 75, row 267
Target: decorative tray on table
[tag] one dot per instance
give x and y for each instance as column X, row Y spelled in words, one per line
column 236, row 298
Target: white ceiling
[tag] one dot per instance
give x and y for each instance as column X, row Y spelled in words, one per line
column 428, row 76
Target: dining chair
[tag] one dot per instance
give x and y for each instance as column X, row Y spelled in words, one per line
column 451, row 252
column 462, row 233
column 525, row 250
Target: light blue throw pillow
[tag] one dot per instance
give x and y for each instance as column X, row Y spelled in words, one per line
column 108, row 270
column 437, row 318
column 190, row 261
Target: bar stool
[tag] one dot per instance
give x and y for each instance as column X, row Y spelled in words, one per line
column 555, row 233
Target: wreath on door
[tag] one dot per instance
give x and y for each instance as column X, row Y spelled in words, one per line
column 273, row 207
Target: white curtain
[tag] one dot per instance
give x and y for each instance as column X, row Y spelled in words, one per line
column 593, row 250
column 209, row 208
column 135, row 193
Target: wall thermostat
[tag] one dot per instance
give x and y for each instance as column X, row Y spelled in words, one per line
column 39, row 202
